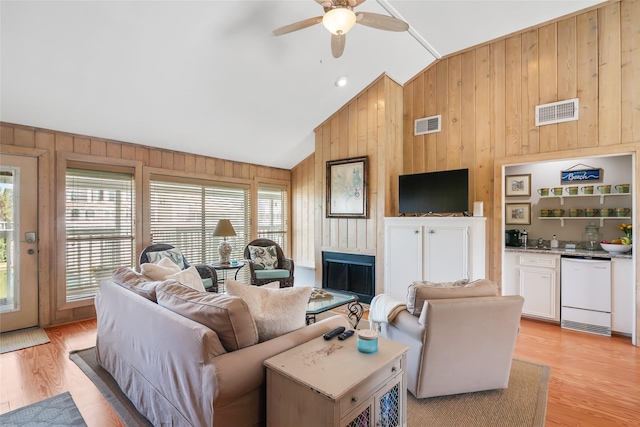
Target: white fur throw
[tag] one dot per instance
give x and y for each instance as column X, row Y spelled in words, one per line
column 275, row 311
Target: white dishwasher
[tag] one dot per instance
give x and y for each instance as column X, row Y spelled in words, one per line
column 585, row 294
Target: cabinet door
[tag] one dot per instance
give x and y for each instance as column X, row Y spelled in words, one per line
column 510, row 279
column 538, row 288
column 389, row 404
column 446, row 254
column 403, row 259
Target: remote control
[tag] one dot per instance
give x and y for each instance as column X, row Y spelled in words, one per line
column 333, row 333
column 346, row 334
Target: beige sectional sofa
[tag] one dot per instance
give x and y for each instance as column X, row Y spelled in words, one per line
column 176, row 370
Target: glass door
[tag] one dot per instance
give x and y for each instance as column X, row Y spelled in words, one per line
column 18, row 242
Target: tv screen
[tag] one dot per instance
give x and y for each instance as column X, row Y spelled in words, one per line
column 434, row 192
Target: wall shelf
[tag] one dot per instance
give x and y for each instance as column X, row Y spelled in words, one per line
column 601, row 196
column 592, row 218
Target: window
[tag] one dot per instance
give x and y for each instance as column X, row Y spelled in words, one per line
column 184, row 214
column 100, row 221
column 273, row 220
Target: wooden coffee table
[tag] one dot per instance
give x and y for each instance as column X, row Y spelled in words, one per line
column 336, row 299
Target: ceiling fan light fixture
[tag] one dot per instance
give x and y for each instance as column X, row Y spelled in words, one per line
column 338, row 21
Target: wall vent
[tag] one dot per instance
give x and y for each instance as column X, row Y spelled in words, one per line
column 427, row 125
column 557, row 112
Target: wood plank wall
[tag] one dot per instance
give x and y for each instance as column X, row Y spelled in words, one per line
column 487, row 94
column 369, row 125
column 23, row 140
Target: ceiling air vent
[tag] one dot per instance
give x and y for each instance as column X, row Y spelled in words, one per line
column 427, row 125
column 557, row 112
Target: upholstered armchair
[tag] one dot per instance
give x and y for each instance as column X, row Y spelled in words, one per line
column 153, row 253
column 457, row 345
column 267, row 263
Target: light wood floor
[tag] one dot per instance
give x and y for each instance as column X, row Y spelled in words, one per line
column 595, row 381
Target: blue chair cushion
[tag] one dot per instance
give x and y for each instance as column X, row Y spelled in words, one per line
column 272, row 274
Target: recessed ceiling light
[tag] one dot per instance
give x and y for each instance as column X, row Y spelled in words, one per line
column 341, row 81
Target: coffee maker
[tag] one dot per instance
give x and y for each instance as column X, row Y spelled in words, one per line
column 513, row 238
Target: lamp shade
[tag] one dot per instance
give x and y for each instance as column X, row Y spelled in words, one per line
column 224, row 229
column 339, row 21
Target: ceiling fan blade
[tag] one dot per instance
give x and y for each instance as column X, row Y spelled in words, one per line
column 381, row 22
column 324, row 3
column 337, row 44
column 300, row 25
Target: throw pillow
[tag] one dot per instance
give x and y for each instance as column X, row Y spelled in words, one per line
column 275, row 311
column 166, row 269
column 189, row 277
column 173, row 255
column 264, row 257
column 419, row 292
column 227, row 315
column 158, row 271
column 135, row 282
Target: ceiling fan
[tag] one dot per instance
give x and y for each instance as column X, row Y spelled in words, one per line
column 339, row 18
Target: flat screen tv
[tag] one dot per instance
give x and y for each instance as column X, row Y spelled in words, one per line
column 443, row 192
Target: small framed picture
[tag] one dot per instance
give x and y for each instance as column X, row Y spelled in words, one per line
column 517, row 213
column 517, row 185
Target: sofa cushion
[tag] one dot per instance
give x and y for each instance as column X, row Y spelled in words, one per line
column 419, row 292
column 166, row 269
column 173, row 255
column 264, row 257
column 136, row 282
column 275, row 311
column 227, row 315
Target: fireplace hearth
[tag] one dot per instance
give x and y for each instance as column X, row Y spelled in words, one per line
column 351, row 273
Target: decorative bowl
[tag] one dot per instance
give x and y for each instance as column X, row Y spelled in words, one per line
column 616, row 249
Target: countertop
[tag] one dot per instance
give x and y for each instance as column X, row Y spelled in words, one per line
column 563, row 251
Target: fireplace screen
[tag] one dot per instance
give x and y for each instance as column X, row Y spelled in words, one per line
column 350, row 273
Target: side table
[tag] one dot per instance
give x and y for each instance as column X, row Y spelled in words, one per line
column 330, row 383
column 224, row 268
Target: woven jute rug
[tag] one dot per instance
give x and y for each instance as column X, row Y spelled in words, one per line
column 523, row 403
column 12, row 341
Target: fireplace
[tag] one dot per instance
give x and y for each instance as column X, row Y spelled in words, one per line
column 351, row 273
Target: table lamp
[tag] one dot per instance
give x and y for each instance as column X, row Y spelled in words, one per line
column 224, row 229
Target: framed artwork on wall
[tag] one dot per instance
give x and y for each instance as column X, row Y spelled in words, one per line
column 347, row 188
column 517, row 185
column 517, row 213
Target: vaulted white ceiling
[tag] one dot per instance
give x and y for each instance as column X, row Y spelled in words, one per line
column 207, row 77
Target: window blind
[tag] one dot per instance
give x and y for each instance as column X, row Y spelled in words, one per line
column 100, row 221
column 273, row 220
column 184, row 214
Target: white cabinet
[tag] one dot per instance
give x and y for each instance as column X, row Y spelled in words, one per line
column 622, row 298
column 536, row 278
column 438, row 249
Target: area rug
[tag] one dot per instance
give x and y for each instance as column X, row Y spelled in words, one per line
column 524, row 403
column 12, row 341
column 108, row 387
column 56, row 411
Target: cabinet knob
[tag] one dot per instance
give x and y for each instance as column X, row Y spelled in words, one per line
column 431, row 231
column 354, row 399
column 416, row 232
column 393, row 369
